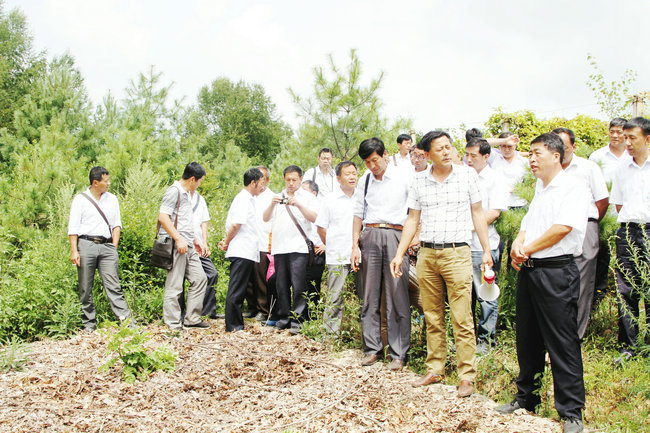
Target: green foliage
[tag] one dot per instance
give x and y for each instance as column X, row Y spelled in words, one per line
column 615, row 97
column 127, row 345
column 13, row 355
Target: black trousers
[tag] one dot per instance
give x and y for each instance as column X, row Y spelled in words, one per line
column 291, row 272
column 630, row 242
column 240, row 273
column 547, row 308
column 314, row 280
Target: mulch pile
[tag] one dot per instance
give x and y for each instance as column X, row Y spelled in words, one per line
column 258, row 380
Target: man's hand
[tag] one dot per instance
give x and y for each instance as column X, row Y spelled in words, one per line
column 75, row 258
column 355, row 258
column 319, row 249
column 513, row 140
column 487, row 261
column 181, row 246
column 518, row 255
column 206, row 251
column 198, row 246
column 396, row 266
column 223, row 246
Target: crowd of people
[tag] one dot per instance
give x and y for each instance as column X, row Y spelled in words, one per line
column 418, row 230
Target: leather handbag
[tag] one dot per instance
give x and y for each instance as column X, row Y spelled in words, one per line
column 162, row 252
column 310, row 244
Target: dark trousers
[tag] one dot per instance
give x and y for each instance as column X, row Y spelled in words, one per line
column 291, row 272
column 547, row 308
column 256, row 292
column 210, row 297
column 632, row 240
column 314, row 280
column 240, row 273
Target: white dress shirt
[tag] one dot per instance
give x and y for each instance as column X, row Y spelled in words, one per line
column 589, row 172
column 85, row 219
column 446, row 206
column 494, row 195
column 262, row 202
column 326, row 182
column 514, row 173
column 286, row 238
column 336, row 217
column 397, row 160
column 200, row 212
column 385, row 199
column 631, row 190
column 564, row 201
column 245, row 243
column 608, row 162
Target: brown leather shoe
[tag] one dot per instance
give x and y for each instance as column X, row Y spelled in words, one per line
column 395, row 365
column 465, row 388
column 427, row 379
column 370, row 359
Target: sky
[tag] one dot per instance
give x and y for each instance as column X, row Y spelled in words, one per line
column 445, row 63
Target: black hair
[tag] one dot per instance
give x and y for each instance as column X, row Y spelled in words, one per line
column 403, row 137
column 313, row 186
column 473, row 133
column 371, row 145
column 638, row 122
column 425, row 142
column 617, row 121
column 341, row 165
column 195, row 170
column 567, row 131
column 325, row 150
column 553, row 143
column 484, row 147
column 292, row 169
column 252, row 174
column 96, row 173
column 506, row 134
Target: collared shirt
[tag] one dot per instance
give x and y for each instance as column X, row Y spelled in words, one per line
column 590, row 174
column 85, row 219
column 608, row 162
column 262, row 202
column 494, row 195
column 564, row 201
column 397, row 160
column 631, row 190
column 385, row 199
column 200, row 213
column 326, row 182
column 446, row 206
column 245, row 243
column 185, row 225
column 313, row 236
column 286, row 237
column 513, row 172
column 336, row 217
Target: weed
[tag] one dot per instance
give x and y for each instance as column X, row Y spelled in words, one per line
column 12, row 356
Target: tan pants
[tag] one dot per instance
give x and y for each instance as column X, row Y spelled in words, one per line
column 449, row 268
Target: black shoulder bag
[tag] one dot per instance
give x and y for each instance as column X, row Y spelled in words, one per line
column 162, row 253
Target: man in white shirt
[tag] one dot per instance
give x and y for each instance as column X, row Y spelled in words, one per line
column 631, row 195
column 447, row 201
column 513, row 167
column 334, row 223
column 589, row 173
column 323, row 174
column 548, row 286
column 94, row 229
column 241, row 246
column 177, row 222
column 292, row 208
column 609, row 157
column 494, row 199
column 381, row 208
column 402, row 159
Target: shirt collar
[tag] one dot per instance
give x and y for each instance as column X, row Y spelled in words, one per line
column 560, row 179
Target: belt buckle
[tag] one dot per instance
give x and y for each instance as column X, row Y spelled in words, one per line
column 98, row 240
column 528, row 263
column 438, row 246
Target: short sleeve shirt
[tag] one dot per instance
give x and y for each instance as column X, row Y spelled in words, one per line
column 385, row 201
column 200, row 213
column 85, row 219
column 589, row 173
column 185, row 225
column 245, row 243
column 286, row 238
column 336, row 217
column 608, row 162
column 494, row 195
column 631, row 190
column 513, row 172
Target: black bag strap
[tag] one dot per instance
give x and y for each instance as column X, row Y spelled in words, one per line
column 110, row 230
column 295, row 221
column 178, row 206
column 365, row 191
column 198, row 200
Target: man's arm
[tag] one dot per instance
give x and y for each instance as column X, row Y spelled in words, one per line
column 480, row 226
column 225, row 242
column 517, row 252
column 409, row 230
column 268, row 212
column 117, row 232
column 355, row 257
column 512, row 140
column 165, row 221
column 204, row 233
column 550, row 237
column 74, row 252
column 309, row 214
column 602, row 206
column 322, row 232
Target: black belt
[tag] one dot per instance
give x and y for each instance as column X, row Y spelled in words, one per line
column 443, row 245
column 96, row 239
column 548, row 262
column 592, row 220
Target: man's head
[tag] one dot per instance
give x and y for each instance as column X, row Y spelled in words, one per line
column 616, row 131
column 346, row 174
column 193, row 174
column 292, row 178
column 437, row 147
column 418, row 158
column 473, row 133
column 99, row 179
column 569, row 140
column 372, row 151
column 325, row 159
column 254, row 181
column 477, row 152
column 266, row 175
column 546, row 156
column 310, row 186
column 404, row 142
column 507, row 150
column 637, row 136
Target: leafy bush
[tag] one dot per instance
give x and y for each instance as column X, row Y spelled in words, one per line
column 12, row 356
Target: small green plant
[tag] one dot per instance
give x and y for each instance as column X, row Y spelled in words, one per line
column 12, row 356
column 127, row 345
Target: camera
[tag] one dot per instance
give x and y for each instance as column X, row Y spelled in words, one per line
column 284, row 200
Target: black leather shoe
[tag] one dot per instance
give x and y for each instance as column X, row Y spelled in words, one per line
column 202, row 324
column 508, row 408
column 573, row 425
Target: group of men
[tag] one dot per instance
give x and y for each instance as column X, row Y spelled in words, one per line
column 445, row 210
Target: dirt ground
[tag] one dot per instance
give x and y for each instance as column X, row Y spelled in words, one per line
column 258, row 380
